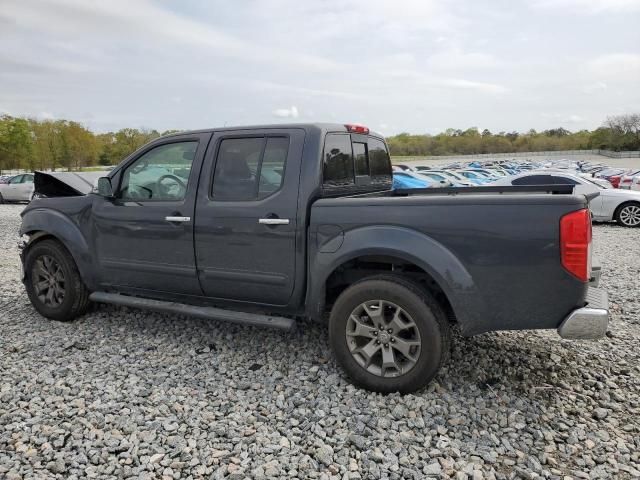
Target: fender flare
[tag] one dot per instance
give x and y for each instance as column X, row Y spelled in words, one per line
column 47, row 222
column 409, row 245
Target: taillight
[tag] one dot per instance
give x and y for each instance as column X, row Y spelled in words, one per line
column 575, row 243
column 357, row 129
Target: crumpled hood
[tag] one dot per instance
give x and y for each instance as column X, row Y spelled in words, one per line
column 65, row 184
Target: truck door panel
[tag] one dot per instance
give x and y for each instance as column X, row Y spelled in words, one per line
column 246, row 216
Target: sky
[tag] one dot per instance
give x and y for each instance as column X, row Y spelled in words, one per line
column 417, row 66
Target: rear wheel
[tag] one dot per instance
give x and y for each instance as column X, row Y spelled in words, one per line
column 388, row 334
column 53, row 282
column 628, row 214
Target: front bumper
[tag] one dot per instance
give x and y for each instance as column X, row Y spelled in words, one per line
column 589, row 322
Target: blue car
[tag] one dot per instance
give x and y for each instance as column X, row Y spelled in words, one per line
column 406, row 180
column 475, row 177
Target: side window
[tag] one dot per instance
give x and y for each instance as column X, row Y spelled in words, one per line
column 361, row 158
column 272, row 168
column 338, row 161
column 379, row 161
column 16, row 180
column 533, row 180
column 27, row 179
column 564, row 181
column 249, row 168
column 160, row 174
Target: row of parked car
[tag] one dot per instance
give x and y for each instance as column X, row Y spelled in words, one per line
column 618, row 189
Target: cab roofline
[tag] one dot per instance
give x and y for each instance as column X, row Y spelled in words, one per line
column 320, row 126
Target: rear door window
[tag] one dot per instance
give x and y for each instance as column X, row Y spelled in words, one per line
column 250, row 168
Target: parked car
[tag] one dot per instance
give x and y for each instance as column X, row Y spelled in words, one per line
column 405, row 180
column 627, row 179
column 392, row 269
column 475, row 177
column 17, row 189
column 455, row 178
column 5, row 178
column 622, row 206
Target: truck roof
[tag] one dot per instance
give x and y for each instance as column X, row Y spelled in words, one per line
column 320, row 126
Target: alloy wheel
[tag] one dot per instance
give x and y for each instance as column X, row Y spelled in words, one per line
column 383, row 338
column 630, row 215
column 48, row 281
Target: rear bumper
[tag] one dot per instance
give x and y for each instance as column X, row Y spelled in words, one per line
column 596, row 272
column 589, row 322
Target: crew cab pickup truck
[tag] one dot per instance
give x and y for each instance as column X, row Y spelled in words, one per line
column 264, row 225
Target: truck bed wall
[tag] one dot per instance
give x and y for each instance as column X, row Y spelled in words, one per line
column 497, row 257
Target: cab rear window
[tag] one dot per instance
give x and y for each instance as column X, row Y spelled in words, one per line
column 355, row 161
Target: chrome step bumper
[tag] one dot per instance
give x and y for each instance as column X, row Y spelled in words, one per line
column 589, row 322
column 596, row 272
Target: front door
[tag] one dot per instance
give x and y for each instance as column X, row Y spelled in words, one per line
column 245, row 231
column 12, row 190
column 144, row 236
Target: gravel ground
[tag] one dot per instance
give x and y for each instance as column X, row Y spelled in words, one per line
column 122, row 393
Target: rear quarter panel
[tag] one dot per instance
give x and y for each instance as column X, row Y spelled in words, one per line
column 497, row 257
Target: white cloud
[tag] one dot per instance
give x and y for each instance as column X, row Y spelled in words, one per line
column 616, row 64
column 455, row 59
column 286, row 112
column 589, row 6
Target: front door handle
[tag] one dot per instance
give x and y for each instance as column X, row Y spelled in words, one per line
column 273, row 221
column 177, row 219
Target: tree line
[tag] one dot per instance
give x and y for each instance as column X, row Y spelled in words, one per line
column 617, row 133
column 32, row 144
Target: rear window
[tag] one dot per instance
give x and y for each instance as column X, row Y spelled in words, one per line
column 355, row 161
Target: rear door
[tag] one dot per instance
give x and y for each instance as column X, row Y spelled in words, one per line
column 25, row 188
column 246, row 215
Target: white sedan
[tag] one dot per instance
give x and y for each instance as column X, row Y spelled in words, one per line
column 18, row 189
column 623, row 206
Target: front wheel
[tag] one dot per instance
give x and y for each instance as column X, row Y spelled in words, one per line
column 53, row 282
column 388, row 334
column 628, row 215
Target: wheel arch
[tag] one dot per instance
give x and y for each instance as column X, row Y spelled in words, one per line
column 40, row 225
column 389, row 249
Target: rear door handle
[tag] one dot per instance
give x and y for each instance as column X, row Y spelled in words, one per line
column 273, row 221
column 178, row 219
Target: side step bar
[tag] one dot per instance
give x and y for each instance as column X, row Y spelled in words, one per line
column 242, row 318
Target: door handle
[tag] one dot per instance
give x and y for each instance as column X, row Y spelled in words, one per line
column 178, row 219
column 273, row 221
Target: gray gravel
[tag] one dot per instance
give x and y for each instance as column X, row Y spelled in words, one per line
column 122, row 393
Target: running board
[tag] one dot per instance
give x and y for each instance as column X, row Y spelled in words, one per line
column 209, row 313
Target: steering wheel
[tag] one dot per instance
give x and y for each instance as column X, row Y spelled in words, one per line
column 165, row 189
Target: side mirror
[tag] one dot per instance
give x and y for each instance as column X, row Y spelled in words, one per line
column 104, row 188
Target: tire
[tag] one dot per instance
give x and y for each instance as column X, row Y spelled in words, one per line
column 628, row 214
column 429, row 334
column 1, row 199
column 41, row 260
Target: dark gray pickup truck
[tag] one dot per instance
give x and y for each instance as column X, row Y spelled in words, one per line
column 263, row 225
